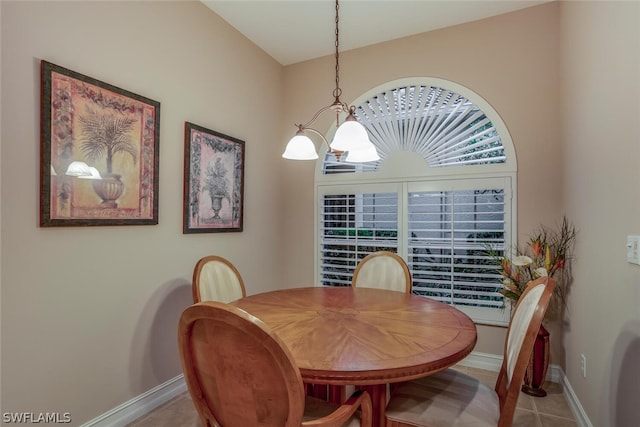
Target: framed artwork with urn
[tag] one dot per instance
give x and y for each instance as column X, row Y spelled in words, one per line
column 213, row 181
column 98, row 152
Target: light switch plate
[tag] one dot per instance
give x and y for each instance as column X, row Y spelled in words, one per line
column 633, row 249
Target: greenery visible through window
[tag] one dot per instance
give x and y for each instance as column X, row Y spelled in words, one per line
column 353, row 226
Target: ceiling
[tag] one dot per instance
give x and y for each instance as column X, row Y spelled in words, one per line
column 297, row 30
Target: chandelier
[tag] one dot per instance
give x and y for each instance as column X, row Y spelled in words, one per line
column 350, row 137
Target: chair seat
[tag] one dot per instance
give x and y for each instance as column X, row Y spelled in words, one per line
column 447, row 398
column 316, row 408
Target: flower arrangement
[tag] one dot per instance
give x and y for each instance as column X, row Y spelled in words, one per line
column 546, row 254
column 216, row 181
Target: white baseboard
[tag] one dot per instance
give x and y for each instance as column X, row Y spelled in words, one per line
column 148, row 401
column 492, row 362
column 486, row 361
column 140, row 405
column 578, row 411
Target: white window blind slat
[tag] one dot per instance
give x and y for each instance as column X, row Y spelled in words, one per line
column 443, row 126
column 450, row 232
column 353, row 226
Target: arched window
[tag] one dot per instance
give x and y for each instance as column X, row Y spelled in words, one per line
column 441, row 195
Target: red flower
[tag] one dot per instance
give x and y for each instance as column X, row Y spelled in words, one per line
column 536, row 247
column 506, row 267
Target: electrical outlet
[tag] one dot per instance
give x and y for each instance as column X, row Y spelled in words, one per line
column 633, row 249
column 583, row 365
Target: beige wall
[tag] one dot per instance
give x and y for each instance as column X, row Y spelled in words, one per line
column 601, row 108
column 564, row 78
column 510, row 60
column 85, row 336
column 89, row 315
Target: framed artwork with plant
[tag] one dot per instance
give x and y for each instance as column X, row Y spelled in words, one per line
column 213, row 181
column 99, row 147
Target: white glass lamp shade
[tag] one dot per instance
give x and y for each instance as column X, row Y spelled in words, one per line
column 78, row 169
column 300, row 147
column 351, row 136
column 369, row 154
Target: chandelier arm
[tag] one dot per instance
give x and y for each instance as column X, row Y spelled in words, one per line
column 330, row 150
column 320, row 135
column 337, row 106
column 315, row 116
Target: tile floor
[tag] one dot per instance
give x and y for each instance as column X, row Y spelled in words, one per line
column 549, row 411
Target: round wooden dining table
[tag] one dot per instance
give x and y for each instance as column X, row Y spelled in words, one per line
column 364, row 337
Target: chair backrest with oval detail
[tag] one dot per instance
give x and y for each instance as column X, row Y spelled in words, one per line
column 383, row 270
column 239, row 373
column 451, row 397
column 216, row 279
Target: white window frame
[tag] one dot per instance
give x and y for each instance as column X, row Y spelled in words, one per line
column 404, row 169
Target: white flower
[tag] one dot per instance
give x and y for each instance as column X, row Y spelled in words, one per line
column 522, row 261
column 540, row 272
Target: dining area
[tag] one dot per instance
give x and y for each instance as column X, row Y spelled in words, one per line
column 104, row 302
column 370, row 354
column 368, row 338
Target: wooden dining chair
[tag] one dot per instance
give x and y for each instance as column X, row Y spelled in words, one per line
column 382, row 270
column 216, row 279
column 239, row 373
column 451, row 398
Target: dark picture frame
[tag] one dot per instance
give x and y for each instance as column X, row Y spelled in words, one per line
column 213, row 181
column 99, row 152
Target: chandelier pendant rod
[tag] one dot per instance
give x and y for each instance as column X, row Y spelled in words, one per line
column 338, row 106
column 350, row 136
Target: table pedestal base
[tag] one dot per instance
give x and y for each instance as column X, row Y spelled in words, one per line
column 378, row 395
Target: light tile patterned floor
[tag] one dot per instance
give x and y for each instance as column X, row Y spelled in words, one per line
column 549, row 411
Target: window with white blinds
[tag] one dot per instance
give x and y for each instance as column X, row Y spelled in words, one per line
column 441, row 195
column 444, row 233
column 450, row 233
column 352, row 226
